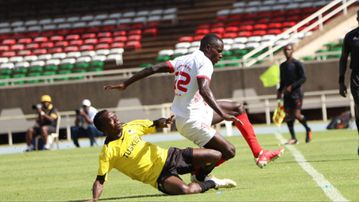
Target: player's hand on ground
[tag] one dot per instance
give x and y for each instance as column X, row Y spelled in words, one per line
column 120, row 86
column 229, row 117
column 342, row 90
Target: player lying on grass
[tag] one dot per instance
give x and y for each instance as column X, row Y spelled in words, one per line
column 125, row 151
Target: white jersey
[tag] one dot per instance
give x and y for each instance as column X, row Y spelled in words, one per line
column 188, row 102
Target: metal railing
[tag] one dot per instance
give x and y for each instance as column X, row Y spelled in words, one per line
column 316, row 19
column 261, row 104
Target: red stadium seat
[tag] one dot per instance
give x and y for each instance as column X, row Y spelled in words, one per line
column 24, row 40
column 61, row 43
column 4, row 48
column 40, row 39
column 88, row 36
column 134, row 38
column 185, row 39
column 104, row 34
column 150, row 31
column 260, row 27
column 90, row 41
column 9, row 42
column 198, row 37
column 259, row 33
column 17, row 47
column 86, row 47
column 55, row 50
column 275, row 25
column 47, row 45
column 8, row 54
column 244, row 34
column 56, row 38
column 231, row 29
column 77, row 42
column 119, row 33
column 274, row 31
column 71, row 49
column 32, row 46
column 133, row 45
column 118, row 45
column 120, row 39
column 202, row 31
column 102, row 46
column 135, row 32
column 245, row 28
column 230, row 35
column 39, row 51
column 24, row 52
column 105, row 40
column 72, row 37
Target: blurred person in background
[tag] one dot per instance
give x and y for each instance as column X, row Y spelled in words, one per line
column 84, row 123
column 292, row 77
column 351, row 47
column 45, row 123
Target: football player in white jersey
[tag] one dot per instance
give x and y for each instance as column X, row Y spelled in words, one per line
column 195, row 106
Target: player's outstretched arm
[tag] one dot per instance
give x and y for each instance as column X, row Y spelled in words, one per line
column 97, row 189
column 158, row 68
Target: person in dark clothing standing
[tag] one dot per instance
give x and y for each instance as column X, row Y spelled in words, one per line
column 292, row 76
column 351, row 46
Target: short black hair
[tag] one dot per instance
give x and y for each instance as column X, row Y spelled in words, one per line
column 98, row 120
column 210, row 38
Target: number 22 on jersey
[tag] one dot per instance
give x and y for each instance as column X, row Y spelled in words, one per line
column 182, row 79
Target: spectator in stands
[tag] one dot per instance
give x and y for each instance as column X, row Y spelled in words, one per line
column 127, row 152
column 351, row 47
column 195, row 106
column 45, row 123
column 292, row 77
column 84, row 123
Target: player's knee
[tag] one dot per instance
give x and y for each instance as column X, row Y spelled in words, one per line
column 230, row 152
column 215, row 155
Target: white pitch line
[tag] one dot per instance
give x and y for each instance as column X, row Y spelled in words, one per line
column 329, row 190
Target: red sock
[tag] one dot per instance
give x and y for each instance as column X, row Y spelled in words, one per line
column 248, row 134
column 219, row 162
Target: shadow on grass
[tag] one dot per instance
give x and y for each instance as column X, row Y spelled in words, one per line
column 125, row 197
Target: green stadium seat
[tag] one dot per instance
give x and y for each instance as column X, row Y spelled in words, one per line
column 22, row 70
column 66, row 66
column 34, row 74
column 78, row 71
column 4, row 77
column 82, row 65
column 50, row 68
column 35, row 69
column 97, row 64
column 5, row 71
column 163, row 58
column 18, row 76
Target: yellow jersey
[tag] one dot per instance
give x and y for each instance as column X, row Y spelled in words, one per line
column 133, row 156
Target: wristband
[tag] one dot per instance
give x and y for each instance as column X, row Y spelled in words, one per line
column 42, row 113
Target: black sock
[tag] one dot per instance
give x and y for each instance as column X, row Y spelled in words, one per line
column 291, row 129
column 304, row 123
column 205, row 186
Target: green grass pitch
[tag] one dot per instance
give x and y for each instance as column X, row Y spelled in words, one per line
column 67, row 175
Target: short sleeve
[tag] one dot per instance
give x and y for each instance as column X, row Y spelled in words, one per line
column 142, row 127
column 104, row 165
column 205, row 70
column 171, row 64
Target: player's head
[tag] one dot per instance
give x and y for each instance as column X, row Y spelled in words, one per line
column 212, row 47
column 45, row 100
column 107, row 122
column 288, row 50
